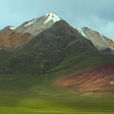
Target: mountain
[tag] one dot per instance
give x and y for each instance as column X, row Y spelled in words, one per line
column 46, row 50
column 47, row 66
column 13, row 37
column 70, row 58
column 37, row 25
column 100, row 41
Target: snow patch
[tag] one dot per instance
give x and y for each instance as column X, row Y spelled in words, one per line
column 103, row 39
column 13, row 28
column 31, row 22
column 101, row 35
column 52, row 16
column 46, row 14
column 82, row 33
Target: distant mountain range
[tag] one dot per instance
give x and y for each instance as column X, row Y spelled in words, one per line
column 12, row 37
column 83, row 58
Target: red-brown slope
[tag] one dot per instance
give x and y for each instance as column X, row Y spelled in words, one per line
column 98, row 80
column 11, row 39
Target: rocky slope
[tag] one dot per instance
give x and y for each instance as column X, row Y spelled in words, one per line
column 100, row 41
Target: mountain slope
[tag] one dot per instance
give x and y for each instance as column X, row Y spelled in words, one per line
column 97, row 80
column 11, row 39
column 57, row 49
column 47, row 50
column 99, row 41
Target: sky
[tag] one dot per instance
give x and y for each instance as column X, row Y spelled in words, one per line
column 95, row 14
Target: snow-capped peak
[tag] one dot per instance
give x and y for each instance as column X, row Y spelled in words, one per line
column 39, row 24
column 52, row 17
column 48, row 17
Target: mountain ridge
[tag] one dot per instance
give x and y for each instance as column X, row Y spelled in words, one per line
column 28, row 30
column 100, row 41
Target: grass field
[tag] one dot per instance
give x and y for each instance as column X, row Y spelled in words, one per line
column 32, row 94
column 79, row 105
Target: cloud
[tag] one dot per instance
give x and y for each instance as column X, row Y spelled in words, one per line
column 95, row 14
column 96, row 23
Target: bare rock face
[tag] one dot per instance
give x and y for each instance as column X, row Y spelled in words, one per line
column 99, row 41
column 11, row 39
